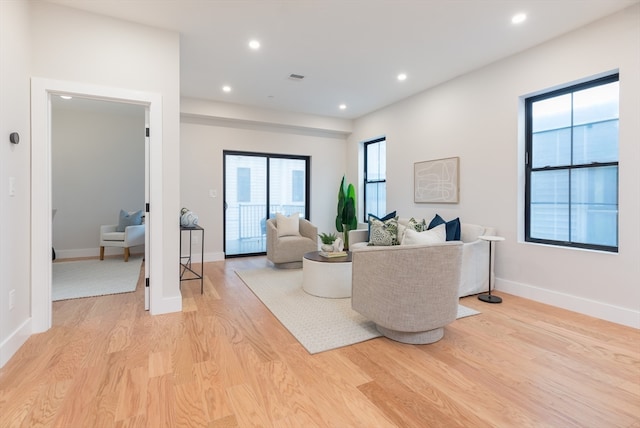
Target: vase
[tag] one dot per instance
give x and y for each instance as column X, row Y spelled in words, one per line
column 327, row 248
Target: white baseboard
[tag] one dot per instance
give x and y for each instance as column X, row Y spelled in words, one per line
column 15, row 340
column 168, row 305
column 605, row 311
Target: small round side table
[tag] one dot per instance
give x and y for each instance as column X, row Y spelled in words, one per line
column 489, row 298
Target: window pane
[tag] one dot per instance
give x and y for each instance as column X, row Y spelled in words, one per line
column 297, row 186
column 376, row 161
column 552, row 148
column 596, row 142
column 281, row 193
column 594, row 205
column 376, row 199
column 551, row 113
column 596, row 104
column 550, row 205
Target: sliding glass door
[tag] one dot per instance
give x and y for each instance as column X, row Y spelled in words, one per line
column 256, row 187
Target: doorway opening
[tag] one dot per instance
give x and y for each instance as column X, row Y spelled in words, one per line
column 42, row 90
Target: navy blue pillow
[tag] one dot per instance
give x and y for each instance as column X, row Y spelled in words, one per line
column 386, row 217
column 452, row 227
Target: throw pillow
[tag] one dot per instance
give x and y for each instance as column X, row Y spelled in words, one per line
column 434, row 236
column 383, row 232
column 452, row 226
column 411, row 224
column 385, row 218
column 133, row 218
column 288, row 226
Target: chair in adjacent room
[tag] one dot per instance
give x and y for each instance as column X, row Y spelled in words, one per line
column 129, row 232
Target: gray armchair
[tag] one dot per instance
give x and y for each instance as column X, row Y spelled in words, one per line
column 287, row 251
column 410, row 292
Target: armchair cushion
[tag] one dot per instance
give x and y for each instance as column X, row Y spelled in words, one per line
column 288, row 226
column 133, row 218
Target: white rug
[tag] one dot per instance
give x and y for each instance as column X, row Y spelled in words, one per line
column 87, row 278
column 318, row 324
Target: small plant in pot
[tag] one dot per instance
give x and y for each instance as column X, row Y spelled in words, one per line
column 327, row 241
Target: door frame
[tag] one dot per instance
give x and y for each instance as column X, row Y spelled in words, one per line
column 41, row 187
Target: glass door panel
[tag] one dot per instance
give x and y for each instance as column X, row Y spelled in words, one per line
column 287, row 186
column 245, row 204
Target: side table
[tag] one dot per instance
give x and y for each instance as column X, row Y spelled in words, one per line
column 489, row 298
column 186, row 260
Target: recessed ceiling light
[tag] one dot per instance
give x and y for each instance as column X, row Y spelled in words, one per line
column 254, row 44
column 342, row 106
column 402, row 77
column 518, row 18
column 65, row 97
column 226, row 88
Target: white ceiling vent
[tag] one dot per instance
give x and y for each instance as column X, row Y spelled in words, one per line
column 296, row 77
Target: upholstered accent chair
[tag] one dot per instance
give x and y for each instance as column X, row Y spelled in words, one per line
column 409, row 291
column 288, row 239
column 129, row 232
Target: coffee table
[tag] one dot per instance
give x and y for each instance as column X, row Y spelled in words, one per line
column 326, row 276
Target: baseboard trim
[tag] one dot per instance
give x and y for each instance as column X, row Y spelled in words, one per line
column 168, row 305
column 15, row 340
column 605, row 311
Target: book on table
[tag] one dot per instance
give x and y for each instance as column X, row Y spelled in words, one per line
column 333, row 254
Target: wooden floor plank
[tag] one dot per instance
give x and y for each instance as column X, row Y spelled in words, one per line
column 226, row 361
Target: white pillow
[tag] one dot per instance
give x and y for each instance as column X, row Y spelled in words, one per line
column 432, row 236
column 288, row 226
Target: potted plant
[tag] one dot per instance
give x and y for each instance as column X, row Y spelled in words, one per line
column 346, row 219
column 327, row 241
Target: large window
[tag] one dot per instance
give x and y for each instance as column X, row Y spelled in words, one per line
column 375, row 178
column 572, row 166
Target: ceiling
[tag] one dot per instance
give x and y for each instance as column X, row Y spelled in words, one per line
column 349, row 51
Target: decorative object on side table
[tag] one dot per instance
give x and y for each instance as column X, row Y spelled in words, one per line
column 188, row 218
column 327, row 240
column 346, row 219
column 489, row 298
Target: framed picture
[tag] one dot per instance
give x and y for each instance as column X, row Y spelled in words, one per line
column 437, row 181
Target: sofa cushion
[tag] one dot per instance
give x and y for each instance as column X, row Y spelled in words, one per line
column 452, row 227
column 288, row 226
column 133, row 218
column 412, row 223
column 383, row 232
column 435, row 235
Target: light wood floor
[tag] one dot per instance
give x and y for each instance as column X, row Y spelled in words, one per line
column 226, row 361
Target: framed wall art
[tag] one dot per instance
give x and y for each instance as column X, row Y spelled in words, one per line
column 437, row 181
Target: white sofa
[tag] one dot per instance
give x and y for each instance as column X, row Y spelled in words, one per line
column 475, row 255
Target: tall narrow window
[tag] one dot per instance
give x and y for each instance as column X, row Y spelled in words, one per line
column 375, row 178
column 572, row 166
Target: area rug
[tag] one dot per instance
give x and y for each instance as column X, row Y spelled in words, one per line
column 319, row 324
column 87, row 278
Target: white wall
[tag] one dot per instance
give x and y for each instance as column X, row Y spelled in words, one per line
column 97, row 169
column 208, row 129
column 15, row 45
column 478, row 117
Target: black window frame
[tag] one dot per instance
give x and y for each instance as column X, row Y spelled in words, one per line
column 366, row 181
column 529, row 169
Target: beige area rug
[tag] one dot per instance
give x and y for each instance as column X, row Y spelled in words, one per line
column 88, row 278
column 318, row 324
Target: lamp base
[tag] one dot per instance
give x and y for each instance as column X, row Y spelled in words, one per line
column 489, row 298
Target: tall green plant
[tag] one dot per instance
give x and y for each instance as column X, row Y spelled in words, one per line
column 346, row 218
